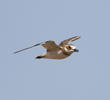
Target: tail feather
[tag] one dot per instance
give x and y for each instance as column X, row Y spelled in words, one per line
column 39, row 57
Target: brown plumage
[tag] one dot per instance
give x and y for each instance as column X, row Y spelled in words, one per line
column 54, row 51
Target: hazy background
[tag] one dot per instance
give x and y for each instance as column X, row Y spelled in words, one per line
column 82, row 76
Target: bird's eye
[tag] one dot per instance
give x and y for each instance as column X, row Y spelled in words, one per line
column 69, row 47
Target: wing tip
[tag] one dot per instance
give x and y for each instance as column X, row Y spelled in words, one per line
column 77, row 37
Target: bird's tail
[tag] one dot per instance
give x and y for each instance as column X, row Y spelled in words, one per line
column 39, row 57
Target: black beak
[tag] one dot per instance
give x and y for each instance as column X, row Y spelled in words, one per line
column 76, row 50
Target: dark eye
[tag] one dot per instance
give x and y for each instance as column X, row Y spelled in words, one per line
column 69, row 47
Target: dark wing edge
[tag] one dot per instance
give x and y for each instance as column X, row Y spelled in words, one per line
column 27, row 48
column 69, row 40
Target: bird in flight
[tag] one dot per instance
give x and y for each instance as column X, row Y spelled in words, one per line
column 54, row 51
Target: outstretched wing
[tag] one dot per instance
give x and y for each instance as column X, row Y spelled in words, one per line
column 50, row 45
column 68, row 40
column 27, row 48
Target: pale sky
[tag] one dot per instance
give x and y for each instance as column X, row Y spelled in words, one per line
column 82, row 76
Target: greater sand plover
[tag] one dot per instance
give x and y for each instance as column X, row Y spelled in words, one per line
column 54, row 51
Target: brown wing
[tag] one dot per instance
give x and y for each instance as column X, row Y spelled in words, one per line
column 27, row 48
column 50, row 45
column 68, row 40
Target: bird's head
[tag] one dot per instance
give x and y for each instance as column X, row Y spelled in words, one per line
column 71, row 48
